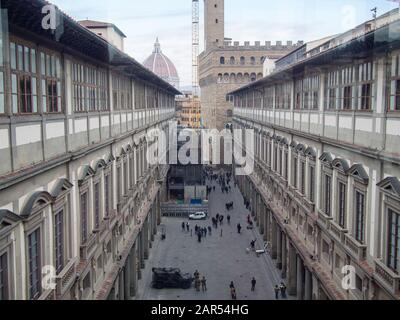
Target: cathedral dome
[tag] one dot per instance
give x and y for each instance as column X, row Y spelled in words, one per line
column 162, row 66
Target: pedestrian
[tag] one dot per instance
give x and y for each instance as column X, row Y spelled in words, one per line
column 187, row 226
column 196, row 274
column 183, row 226
column 239, row 228
column 229, row 219
column 197, row 284
column 283, row 290
column 276, row 289
column 199, row 237
column 253, row 284
column 253, row 244
column 204, row 284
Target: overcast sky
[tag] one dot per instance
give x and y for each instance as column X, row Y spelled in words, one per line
column 250, row 20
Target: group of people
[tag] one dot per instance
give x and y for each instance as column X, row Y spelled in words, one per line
column 200, row 282
column 280, row 289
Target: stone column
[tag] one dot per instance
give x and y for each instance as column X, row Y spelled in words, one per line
column 278, row 247
column 146, row 239
column 121, row 287
column 274, row 242
column 127, row 278
column 300, row 278
column 308, row 285
column 284, row 256
column 133, row 271
column 292, row 279
column 141, row 251
column 262, row 218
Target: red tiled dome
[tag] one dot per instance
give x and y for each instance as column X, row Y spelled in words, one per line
column 162, row 66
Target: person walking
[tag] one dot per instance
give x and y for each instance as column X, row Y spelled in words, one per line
column 233, row 290
column 183, row 226
column 239, row 228
column 276, row 289
column 283, row 290
column 187, row 226
column 204, row 284
column 199, row 236
column 229, row 219
column 253, row 284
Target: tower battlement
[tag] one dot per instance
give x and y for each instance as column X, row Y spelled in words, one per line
column 267, row 45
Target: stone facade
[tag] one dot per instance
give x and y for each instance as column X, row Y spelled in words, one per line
column 325, row 191
column 188, row 111
column 225, row 66
column 78, row 198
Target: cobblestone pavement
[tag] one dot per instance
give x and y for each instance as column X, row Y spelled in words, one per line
column 220, row 259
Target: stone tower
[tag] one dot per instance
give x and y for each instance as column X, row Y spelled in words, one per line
column 214, row 23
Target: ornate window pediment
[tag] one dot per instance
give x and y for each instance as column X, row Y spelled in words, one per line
column 109, row 159
column 341, row 165
column 326, row 159
column 86, row 172
column 390, row 185
column 357, row 171
column 37, row 201
column 61, row 187
column 300, row 148
column 310, row 153
column 100, row 164
column 284, row 142
column 8, row 218
column 293, row 144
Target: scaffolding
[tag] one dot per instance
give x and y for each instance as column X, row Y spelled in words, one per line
column 195, row 46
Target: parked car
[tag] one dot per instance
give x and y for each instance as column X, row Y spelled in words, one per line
column 198, row 216
column 171, row 278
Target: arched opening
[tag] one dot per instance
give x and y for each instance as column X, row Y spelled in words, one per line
column 259, row 76
column 226, row 78
column 222, row 60
column 232, row 78
column 219, row 79
column 253, row 77
column 252, row 61
column 232, row 60
column 242, row 60
column 239, row 78
column 246, row 77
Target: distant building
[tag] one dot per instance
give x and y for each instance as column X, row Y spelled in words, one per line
column 188, row 110
column 225, row 66
column 162, row 66
column 108, row 31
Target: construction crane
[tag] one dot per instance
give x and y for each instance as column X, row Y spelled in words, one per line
column 195, row 46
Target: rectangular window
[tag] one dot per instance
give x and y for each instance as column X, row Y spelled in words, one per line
column 84, row 218
column 59, row 240
column 4, row 289
column 393, row 257
column 395, row 95
column 97, row 205
column 303, row 177
column 23, row 79
column 347, row 98
column 332, row 99
column 327, row 195
column 107, row 188
column 342, row 205
column 286, row 165
column 366, row 98
column 34, row 264
column 2, row 102
column 295, row 172
column 119, row 176
column 360, row 215
column 312, row 184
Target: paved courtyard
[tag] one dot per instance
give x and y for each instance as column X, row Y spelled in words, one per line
column 220, row 259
